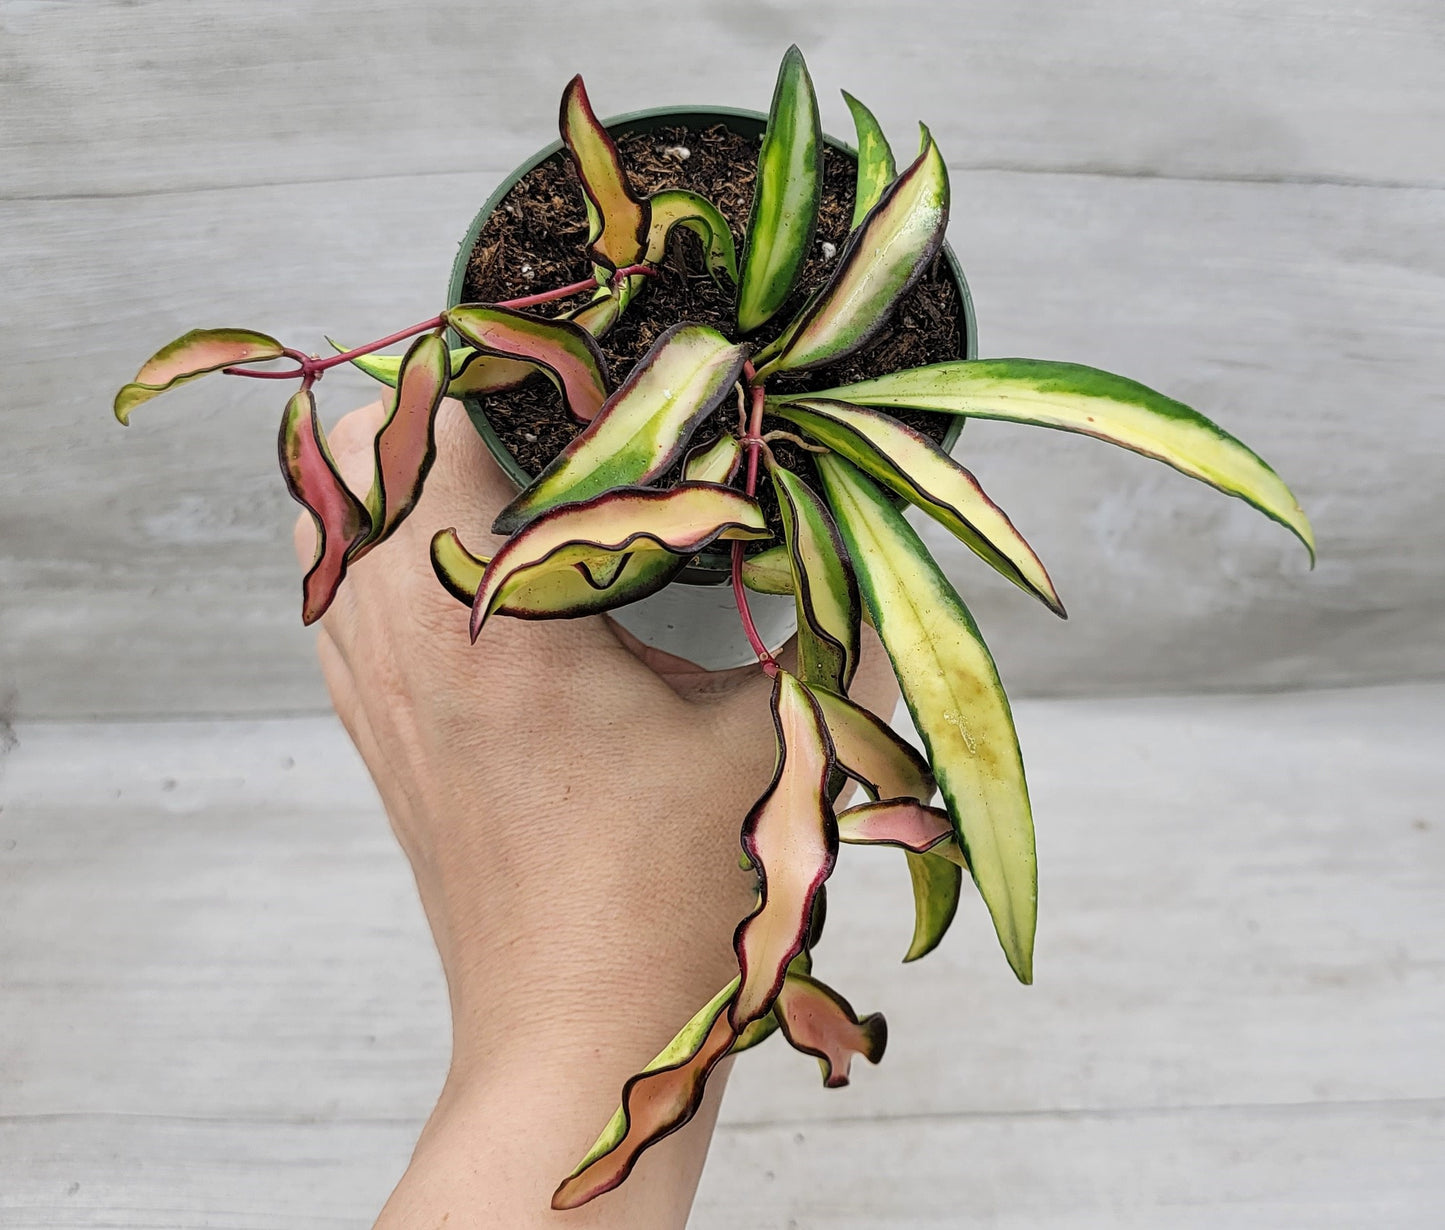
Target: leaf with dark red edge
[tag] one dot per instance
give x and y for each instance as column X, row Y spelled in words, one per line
column 554, row 593
column 661, row 1098
column 1070, row 397
column 766, row 1026
column 876, row 168
column 713, row 463
column 878, row 266
column 191, row 356
column 818, row 1021
column 785, row 196
column 405, row 447
column 829, row 610
column 909, row 463
column 769, row 572
column 618, row 219
column 565, row 351
column 678, row 207
column 643, row 427
column 869, row 752
column 952, row 689
column 682, row 521
column 316, row 484
column 792, row 839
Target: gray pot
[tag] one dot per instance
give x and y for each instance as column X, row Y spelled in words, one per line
column 694, row 617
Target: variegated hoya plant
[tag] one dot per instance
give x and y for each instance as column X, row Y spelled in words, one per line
column 597, row 529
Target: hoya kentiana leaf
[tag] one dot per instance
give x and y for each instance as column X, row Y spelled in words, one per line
column 556, row 593
column 660, row 1099
column 869, row 752
column 769, row 572
column 1071, row 397
column 683, row 521
column 618, row 219
column 565, row 351
column 908, row 462
column 902, row 822
column 876, row 168
column 315, row 483
column 191, row 356
column 818, row 1021
column 785, row 196
column 878, row 266
column 792, row 839
column 937, row 887
column 405, row 447
column 952, row 689
column 766, row 1026
column 643, row 427
column 714, row 463
column 678, row 207
column 829, row 612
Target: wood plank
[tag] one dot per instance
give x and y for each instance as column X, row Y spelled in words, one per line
column 123, row 97
column 147, row 572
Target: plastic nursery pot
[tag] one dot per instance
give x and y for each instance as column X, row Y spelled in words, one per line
column 694, row 617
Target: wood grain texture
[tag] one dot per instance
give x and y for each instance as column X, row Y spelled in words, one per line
column 222, row 1006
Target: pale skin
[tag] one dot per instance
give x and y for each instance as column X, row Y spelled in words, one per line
column 570, row 804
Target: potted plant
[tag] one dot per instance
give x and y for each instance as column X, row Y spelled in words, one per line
column 762, row 423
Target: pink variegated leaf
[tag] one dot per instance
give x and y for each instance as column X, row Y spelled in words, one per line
column 906, row 823
column 657, row 1101
column 405, row 447
column 191, row 356
column 316, row 484
column 870, row 753
column 791, row 838
column 818, row 1021
column 618, row 219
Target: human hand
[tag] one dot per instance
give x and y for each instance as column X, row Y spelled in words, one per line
column 570, row 804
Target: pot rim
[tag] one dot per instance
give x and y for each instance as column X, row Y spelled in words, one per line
column 709, row 568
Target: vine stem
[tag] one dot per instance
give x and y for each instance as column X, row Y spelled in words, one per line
column 752, row 441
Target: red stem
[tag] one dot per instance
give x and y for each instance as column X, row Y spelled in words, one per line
column 753, row 442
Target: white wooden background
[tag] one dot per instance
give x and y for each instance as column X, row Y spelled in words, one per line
column 1240, row 202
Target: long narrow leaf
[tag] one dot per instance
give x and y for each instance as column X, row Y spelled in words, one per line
column 876, row 168
column 677, row 207
column 908, row 462
column 952, row 689
column 683, row 521
column 878, row 266
column 316, row 484
column 818, row 1021
column 716, row 463
column 191, row 356
column 792, row 839
column 769, row 572
column 829, row 610
column 643, row 427
column 619, row 220
column 871, row 754
column 566, row 352
column 1070, row 397
column 785, row 196
column 937, row 887
column 660, row 1099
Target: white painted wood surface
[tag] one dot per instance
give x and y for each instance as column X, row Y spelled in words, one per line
column 220, row 1005
column 1241, row 203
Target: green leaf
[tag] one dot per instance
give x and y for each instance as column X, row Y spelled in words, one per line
column 876, row 168
column 1071, row 397
column 567, row 353
column 315, row 483
column 792, row 839
column 191, row 356
column 878, row 266
column 556, row 593
column 713, row 463
column 683, row 521
column 870, row 752
column 619, row 220
column 829, row 611
column 908, row 462
column 405, row 447
column 769, row 572
column 937, row 887
column 818, row 1021
column 952, row 689
column 660, row 1099
column 643, row 427
column 785, row 196
column 676, row 207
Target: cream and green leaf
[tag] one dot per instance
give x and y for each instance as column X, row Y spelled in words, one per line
column 677, row 207
column 876, row 168
column 617, row 218
column 957, row 702
column 713, row 463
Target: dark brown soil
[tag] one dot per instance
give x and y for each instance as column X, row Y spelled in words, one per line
column 535, row 240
